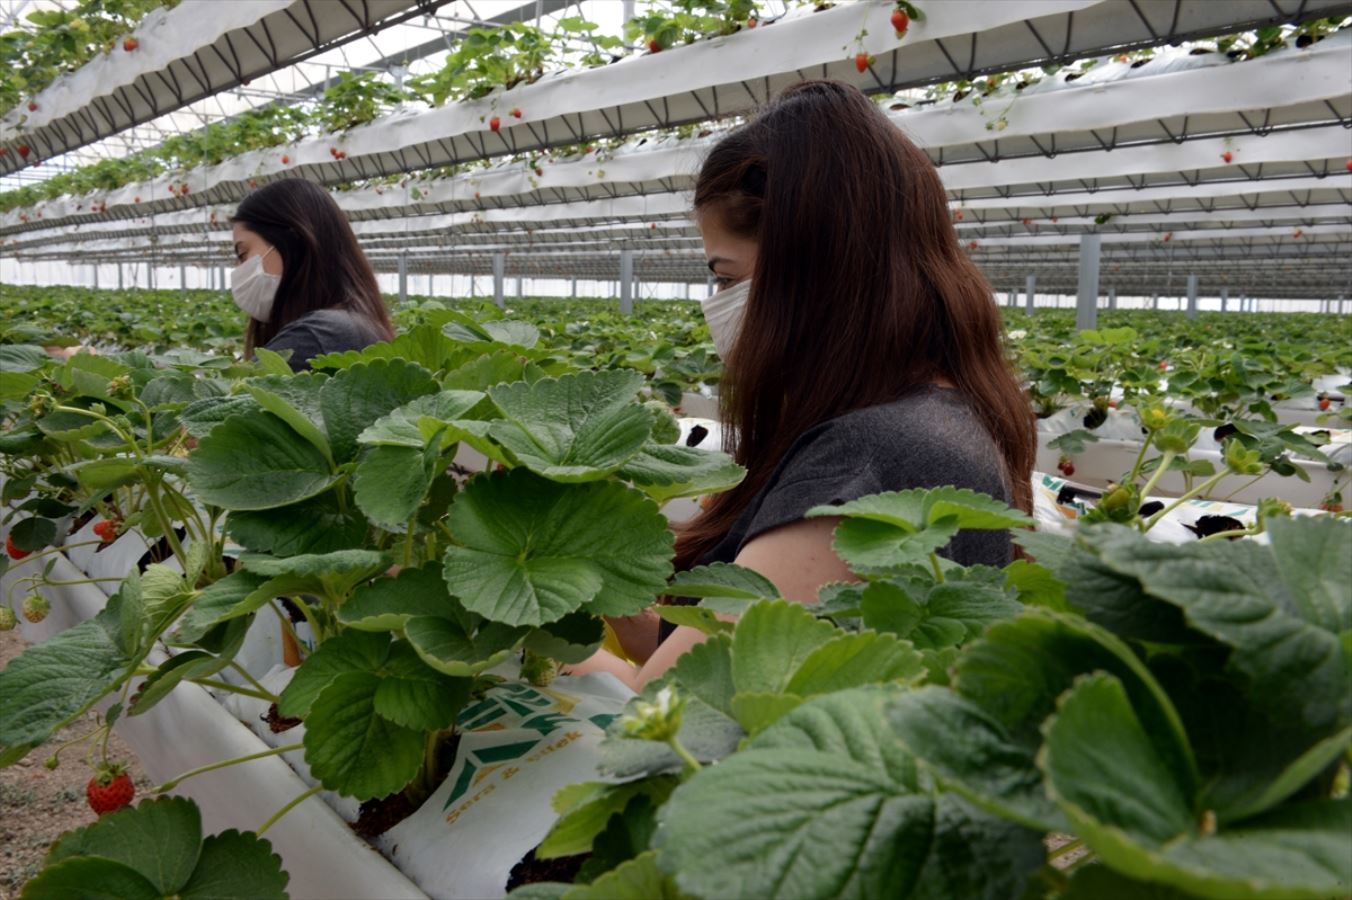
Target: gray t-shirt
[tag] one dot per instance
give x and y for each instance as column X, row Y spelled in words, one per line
column 928, row 438
column 323, row 331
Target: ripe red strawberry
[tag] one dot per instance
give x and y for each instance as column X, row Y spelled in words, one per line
column 1066, row 466
column 138, row 199
column 900, row 22
column 862, row 61
column 8, row 621
column 1325, row 402
column 494, row 123
column 654, row 46
column 516, row 113
column 1164, row 364
column 1168, row 237
column 957, row 214
column 1331, row 507
column 1349, row 165
column 130, row 44
column 183, row 190
column 35, row 608
column 107, row 530
column 32, row 107
column 751, row 23
column 110, row 789
column 333, row 151
column 971, row 245
column 1028, row 221
column 286, row 160
column 13, row 551
column 24, row 151
column 1227, row 156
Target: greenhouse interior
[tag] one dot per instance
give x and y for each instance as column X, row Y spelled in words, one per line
column 443, row 443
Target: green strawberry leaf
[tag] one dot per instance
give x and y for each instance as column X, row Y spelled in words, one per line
column 665, row 472
column 1018, row 668
column 236, row 866
column 389, row 485
column 533, row 551
column 1139, row 818
column 351, row 748
column 76, row 877
column 160, row 839
column 970, row 752
column 817, row 806
column 355, row 397
column 53, row 682
column 1281, row 608
column 315, row 526
column 295, row 400
column 257, row 461
column 723, row 580
column 580, row 427
column 585, row 808
column 934, row 616
column 773, row 639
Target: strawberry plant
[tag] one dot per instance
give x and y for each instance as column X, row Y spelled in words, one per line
column 1060, row 695
column 168, row 858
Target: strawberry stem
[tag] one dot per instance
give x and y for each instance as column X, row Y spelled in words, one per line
column 295, row 801
column 173, row 782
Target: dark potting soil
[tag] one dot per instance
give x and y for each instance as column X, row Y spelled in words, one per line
column 531, row 870
column 278, row 722
column 379, row 816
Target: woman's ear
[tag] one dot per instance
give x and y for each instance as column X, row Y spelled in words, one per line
column 272, row 263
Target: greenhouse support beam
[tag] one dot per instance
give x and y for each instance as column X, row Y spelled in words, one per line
column 499, row 275
column 1112, row 298
column 183, row 280
column 1086, row 301
column 1155, row 301
column 95, row 269
column 1192, row 296
column 1225, row 299
column 1030, row 293
column 403, row 277
column 573, row 291
column 520, row 287
column 626, row 281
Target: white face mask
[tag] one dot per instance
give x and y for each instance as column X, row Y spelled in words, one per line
column 723, row 312
column 253, row 289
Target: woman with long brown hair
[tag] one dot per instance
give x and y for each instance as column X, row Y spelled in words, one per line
column 302, row 278
column 862, row 348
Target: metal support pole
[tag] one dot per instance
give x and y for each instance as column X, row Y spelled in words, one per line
column 1112, row 298
column 403, row 276
column 573, row 292
column 1086, row 302
column 119, row 276
column 626, row 281
column 1155, row 301
column 183, row 280
column 499, row 276
column 1192, row 296
column 1030, row 293
column 520, row 291
column 95, row 267
column 709, row 286
column 1225, row 299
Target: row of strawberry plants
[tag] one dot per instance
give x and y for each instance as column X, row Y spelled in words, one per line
column 325, row 480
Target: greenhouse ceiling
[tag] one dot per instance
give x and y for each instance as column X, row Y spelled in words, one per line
column 1189, row 141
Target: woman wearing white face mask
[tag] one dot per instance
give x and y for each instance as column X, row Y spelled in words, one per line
column 302, row 278
column 862, row 350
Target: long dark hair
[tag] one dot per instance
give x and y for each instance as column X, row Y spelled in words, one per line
column 860, row 290
column 323, row 266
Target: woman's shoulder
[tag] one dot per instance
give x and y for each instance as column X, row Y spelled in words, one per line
column 331, row 330
column 927, row 438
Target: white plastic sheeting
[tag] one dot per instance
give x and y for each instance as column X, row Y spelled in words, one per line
column 184, row 55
